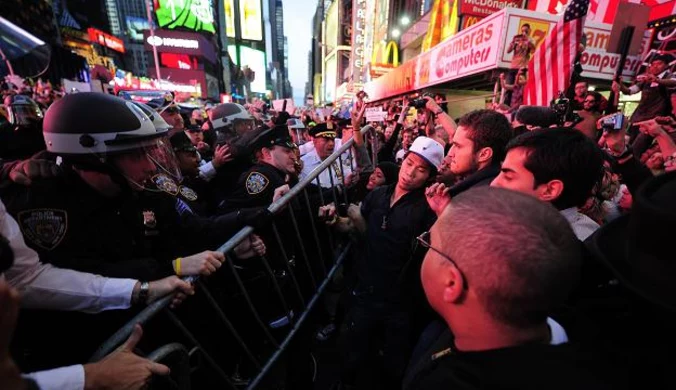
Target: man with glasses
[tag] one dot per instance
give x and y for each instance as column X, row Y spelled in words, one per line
column 590, row 113
column 494, row 284
column 384, row 294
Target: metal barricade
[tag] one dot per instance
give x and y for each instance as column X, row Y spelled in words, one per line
column 292, row 302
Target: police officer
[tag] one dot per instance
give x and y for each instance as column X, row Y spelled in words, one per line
column 21, row 132
column 275, row 161
column 97, row 216
column 233, row 127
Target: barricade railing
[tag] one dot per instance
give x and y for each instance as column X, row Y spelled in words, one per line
column 319, row 274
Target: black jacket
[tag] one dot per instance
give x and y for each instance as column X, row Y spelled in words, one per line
column 536, row 366
column 71, row 225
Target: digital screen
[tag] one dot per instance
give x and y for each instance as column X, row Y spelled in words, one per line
column 251, row 19
column 229, row 6
column 135, row 28
column 178, row 61
column 196, row 15
column 255, row 60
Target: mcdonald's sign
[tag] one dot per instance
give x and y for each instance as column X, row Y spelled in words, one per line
column 385, row 51
column 380, row 58
column 469, row 20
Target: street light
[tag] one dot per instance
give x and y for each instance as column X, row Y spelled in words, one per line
column 405, row 20
column 396, row 33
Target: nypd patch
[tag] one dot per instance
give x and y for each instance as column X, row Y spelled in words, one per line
column 44, row 227
column 188, row 193
column 166, row 184
column 256, row 182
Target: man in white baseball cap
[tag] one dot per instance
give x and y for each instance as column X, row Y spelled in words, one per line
column 387, row 269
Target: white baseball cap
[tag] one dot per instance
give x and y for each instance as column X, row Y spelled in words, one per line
column 429, row 149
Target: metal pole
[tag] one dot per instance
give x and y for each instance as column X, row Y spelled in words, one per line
column 9, row 64
column 152, row 35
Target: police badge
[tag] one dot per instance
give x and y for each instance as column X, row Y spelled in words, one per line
column 188, row 193
column 44, row 227
column 166, row 184
column 256, row 182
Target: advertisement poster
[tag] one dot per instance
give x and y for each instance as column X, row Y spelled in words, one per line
column 251, row 19
column 229, row 6
column 255, row 60
column 135, row 28
column 196, row 15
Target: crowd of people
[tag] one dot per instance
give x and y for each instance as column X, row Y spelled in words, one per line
column 513, row 247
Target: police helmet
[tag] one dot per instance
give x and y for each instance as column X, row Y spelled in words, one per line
column 22, row 110
column 159, row 122
column 91, row 122
column 227, row 114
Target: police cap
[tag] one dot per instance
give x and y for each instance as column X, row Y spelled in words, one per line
column 322, row 131
column 278, row 135
column 181, row 143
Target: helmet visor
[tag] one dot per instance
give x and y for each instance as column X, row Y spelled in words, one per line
column 24, row 114
column 141, row 166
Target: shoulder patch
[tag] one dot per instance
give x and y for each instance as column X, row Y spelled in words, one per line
column 256, row 182
column 188, row 193
column 44, row 227
column 166, row 184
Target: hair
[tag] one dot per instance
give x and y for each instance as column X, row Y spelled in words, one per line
column 488, row 129
column 563, row 154
column 521, row 265
column 536, row 116
column 585, row 82
column 525, row 25
column 596, row 95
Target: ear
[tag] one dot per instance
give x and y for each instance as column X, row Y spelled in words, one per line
column 454, row 283
column 484, row 155
column 550, row 191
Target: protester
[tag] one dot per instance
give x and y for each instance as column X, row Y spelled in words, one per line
column 495, row 292
column 559, row 166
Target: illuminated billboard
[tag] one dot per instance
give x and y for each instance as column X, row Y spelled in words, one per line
column 229, row 6
column 330, row 79
column 254, row 60
column 196, row 15
column 251, row 19
column 135, row 28
column 331, row 27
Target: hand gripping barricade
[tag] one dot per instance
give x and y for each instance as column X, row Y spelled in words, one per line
column 319, row 260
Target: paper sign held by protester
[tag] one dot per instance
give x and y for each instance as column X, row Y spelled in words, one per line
column 278, row 105
column 375, row 114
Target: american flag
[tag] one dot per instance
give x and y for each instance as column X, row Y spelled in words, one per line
column 552, row 64
column 604, row 11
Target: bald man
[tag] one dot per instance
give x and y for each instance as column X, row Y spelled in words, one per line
column 493, row 273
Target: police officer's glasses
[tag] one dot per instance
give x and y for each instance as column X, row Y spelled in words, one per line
column 424, row 240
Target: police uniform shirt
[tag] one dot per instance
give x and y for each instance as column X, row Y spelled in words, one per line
column 390, row 238
column 73, row 226
column 338, row 171
column 256, row 187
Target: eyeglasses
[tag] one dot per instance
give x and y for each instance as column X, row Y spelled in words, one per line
column 424, row 240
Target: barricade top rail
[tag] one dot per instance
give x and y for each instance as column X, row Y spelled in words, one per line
column 156, row 307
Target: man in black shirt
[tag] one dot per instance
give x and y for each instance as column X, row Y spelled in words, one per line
column 390, row 218
column 494, row 273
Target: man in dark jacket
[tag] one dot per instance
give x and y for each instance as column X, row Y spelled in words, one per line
column 478, row 148
column 495, row 284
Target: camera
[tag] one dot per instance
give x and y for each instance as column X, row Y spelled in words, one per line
column 613, row 123
column 564, row 113
column 419, row 103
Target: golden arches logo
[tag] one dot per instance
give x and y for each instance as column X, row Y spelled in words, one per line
column 470, row 20
column 390, row 48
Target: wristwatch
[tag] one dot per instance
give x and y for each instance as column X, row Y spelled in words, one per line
column 143, row 293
